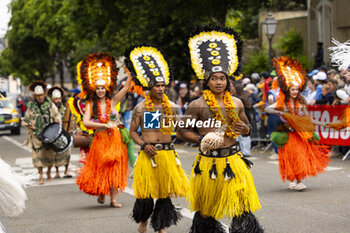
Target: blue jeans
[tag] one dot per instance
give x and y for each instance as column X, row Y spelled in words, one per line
column 272, row 122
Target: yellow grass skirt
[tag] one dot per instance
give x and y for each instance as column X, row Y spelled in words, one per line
column 218, row 197
column 165, row 180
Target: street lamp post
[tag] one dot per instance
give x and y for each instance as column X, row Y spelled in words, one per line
column 270, row 30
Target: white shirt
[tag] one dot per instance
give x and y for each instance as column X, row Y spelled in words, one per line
column 310, row 96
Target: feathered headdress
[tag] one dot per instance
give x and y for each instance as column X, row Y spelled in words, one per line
column 340, row 54
column 290, row 73
column 83, row 92
column 147, row 65
column 215, row 50
column 38, row 87
column 98, row 69
column 55, row 92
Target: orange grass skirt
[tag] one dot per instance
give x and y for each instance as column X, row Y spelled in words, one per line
column 300, row 158
column 106, row 164
column 344, row 121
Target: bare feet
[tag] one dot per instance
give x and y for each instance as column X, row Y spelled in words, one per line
column 116, row 204
column 41, row 180
column 142, row 227
column 57, row 175
column 49, row 177
column 162, row 231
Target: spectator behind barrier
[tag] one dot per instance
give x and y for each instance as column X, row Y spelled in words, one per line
column 311, row 83
column 327, row 95
column 320, row 79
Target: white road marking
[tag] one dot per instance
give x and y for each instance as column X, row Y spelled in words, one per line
column 7, row 138
column 54, row 182
column 329, row 168
column 273, row 162
column 21, row 161
column 181, row 151
column 27, row 168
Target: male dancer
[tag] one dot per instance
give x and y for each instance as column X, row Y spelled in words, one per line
column 221, row 184
column 158, row 172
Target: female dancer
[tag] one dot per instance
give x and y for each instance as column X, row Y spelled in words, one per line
column 299, row 156
column 107, row 162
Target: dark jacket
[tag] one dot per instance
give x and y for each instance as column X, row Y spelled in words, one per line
column 327, row 99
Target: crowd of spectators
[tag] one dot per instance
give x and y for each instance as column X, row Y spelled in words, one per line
column 324, row 87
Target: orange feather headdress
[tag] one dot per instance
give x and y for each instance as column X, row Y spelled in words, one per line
column 98, row 69
column 290, row 73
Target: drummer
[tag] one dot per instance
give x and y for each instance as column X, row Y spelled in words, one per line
column 41, row 112
column 61, row 159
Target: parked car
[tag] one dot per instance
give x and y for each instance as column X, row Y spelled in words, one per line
column 10, row 118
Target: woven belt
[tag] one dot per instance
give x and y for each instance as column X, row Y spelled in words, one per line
column 163, row 146
column 222, row 152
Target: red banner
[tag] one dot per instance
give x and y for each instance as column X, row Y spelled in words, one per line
column 329, row 114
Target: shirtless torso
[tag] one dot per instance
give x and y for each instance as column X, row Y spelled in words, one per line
column 200, row 110
column 148, row 135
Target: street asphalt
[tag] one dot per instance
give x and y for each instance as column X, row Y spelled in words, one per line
column 60, row 207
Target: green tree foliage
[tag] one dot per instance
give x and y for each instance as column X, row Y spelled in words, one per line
column 165, row 24
column 44, row 35
column 70, row 30
column 258, row 62
column 27, row 55
column 282, row 5
column 291, row 45
column 244, row 16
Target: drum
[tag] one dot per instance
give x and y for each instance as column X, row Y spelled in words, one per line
column 56, row 138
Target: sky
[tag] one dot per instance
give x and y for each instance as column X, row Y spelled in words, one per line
column 4, row 16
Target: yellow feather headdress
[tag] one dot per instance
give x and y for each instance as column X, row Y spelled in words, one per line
column 215, row 50
column 147, row 65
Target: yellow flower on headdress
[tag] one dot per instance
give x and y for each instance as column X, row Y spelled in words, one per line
column 215, row 50
column 147, row 65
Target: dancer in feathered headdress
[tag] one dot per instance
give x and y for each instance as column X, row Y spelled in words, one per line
column 340, row 55
column 107, row 162
column 300, row 155
column 221, row 184
column 158, row 173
